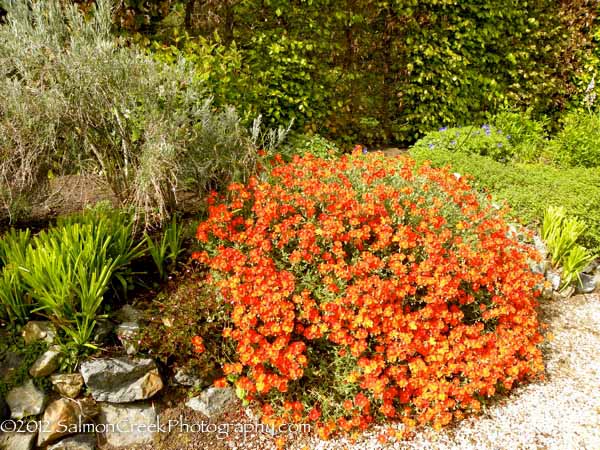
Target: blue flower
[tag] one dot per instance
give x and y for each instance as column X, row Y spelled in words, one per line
column 453, row 143
column 443, row 129
column 365, row 151
column 499, row 144
column 431, row 146
column 508, row 136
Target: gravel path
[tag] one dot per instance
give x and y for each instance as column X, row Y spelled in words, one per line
column 562, row 412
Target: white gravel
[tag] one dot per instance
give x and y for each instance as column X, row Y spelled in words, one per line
column 562, row 412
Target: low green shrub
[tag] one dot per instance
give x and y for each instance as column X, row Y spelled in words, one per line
column 530, row 188
column 317, row 145
column 527, row 136
column 123, row 246
column 560, row 233
column 485, row 140
column 186, row 308
column 166, row 250
column 577, row 144
column 15, row 302
column 67, row 271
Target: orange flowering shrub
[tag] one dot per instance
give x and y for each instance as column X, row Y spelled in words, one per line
column 362, row 289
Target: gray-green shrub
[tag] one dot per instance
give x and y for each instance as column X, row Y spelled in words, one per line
column 73, row 100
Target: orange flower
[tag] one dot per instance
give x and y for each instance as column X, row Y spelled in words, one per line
column 403, row 279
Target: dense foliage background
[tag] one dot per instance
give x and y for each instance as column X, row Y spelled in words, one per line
column 372, row 70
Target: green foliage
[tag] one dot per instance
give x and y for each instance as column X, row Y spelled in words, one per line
column 188, row 307
column 13, row 246
column 560, row 233
column 484, row 141
column 530, row 188
column 387, row 71
column 165, row 251
column 68, row 272
column 578, row 141
column 587, row 90
column 15, row 302
column 527, row 136
column 319, row 146
column 118, row 226
column 574, row 263
column 11, row 342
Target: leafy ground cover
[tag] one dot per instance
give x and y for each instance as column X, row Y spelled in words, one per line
column 528, row 188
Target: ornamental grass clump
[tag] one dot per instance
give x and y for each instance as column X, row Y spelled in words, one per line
column 363, row 290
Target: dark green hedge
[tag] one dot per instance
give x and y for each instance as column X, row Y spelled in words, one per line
column 377, row 71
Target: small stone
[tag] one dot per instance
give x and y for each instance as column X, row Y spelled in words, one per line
column 564, row 294
column 129, row 336
column 184, row 377
column 67, row 384
column 538, row 267
column 61, row 418
column 128, row 314
column 47, row 363
column 102, row 331
column 138, row 424
column 554, row 278
column 9, row 363
column 212, row 402
column 121, row 380
column 34, row 331
column 17, row 441
column 79, row 442
column 26, row 400
column 540, row 246
column 586, row 284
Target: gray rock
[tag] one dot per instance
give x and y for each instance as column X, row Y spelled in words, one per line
column 17, row 441
column 212, row 402
column 34, row 331
column 129, row 336
column 540, row 246
column 25, row 400
column 128, row 314
column 82, row 441
column 89, row 407
column 184, row 377
column 10, row 362
column 61, row 418
column 137, row 424
column 586, row 284
column 554, row 278
column 67, row 384
column 564, row 294
column 47, row 363
column 102, row 331
column 538, row 267
column 121, row 380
